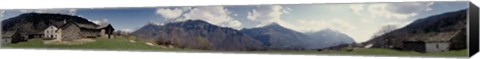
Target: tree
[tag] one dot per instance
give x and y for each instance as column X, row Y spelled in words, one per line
column 385, row 29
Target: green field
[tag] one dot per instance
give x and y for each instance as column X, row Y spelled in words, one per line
column 116, row 43
column 122, row 43
column 380, row 52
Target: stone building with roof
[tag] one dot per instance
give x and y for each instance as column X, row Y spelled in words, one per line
column 68, row 31
column 431, row 42
column 73, row 31
column 11, row 37
column 51, row 32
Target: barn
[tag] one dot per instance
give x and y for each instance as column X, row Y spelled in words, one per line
column 73, row 31
column 106, row 31
column 431, row 42
column 11, row 37
column 427, row 46
column 69, row 31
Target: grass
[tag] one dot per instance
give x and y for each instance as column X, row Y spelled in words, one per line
column 116, row 43
column 123, row 43
column 380, row 52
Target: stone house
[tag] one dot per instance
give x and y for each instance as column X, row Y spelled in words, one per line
column 69, row 31
column 11, row 37
column 433, row 42
column 73, row 31
column 427, row 46
column 50, row 32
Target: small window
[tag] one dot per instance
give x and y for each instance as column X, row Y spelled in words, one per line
column 438, row 46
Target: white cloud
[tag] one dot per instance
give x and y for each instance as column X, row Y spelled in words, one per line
column 1, row 13
column 155, row 23
column 57, row 11
column 235, row 14
column 374, row 15
column 217, row 15
column 234, row 24
column 170, row 13
column 316, row 25
column 392, row 11
column 409, row 8
column 266, row 14
column 357, row 8
column 101, row 22
column 127, row 30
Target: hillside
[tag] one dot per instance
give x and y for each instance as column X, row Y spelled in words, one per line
column 277, row 37
column 35, row 22
column 437, row 26
column 328, row 38
column 199, row 34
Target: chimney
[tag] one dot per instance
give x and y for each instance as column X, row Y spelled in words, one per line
column 64, row 21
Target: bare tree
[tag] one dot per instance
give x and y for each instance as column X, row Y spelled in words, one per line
column 385, row 29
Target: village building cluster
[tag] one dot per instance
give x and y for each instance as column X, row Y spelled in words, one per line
column 69, row 31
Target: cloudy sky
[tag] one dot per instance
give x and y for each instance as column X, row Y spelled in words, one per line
column 360, row 21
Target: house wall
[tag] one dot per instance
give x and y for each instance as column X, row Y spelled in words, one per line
column 71, row 32
column 437, row 46
column 89, row 33
column 15, row 38
column 2, row 41
column 50, row 32
column 5, row 40
column 103, row 33
column 60, row 34
column 415, row 46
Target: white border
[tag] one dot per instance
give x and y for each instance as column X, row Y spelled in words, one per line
column 36, row 4
column 76, row 54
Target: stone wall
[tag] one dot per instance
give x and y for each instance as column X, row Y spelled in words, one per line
column 71, row 32
column 437, row 46
column 89, row 33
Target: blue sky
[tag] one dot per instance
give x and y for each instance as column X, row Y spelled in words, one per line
column 359, row 20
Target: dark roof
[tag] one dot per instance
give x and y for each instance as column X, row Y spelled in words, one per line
column 109, row 26
column 68, row 24
column 51, row 25
column 8, row 33
column 433, row 37
column 83, row 26
column 90, row 26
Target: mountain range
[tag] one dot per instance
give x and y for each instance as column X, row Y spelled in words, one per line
column 196, row 34
column 327, row 38
column 277, row 37
column 199, row 34
column 191, row 34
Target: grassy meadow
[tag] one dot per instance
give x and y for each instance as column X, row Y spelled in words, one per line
column 123, row 43
column 379, row 52
column 116, row 43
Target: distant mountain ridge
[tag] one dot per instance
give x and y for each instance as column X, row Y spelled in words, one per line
column 189, row 34
column 277, row 37
column 327, row 38
column 199, row 34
